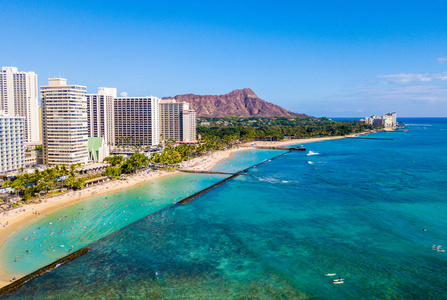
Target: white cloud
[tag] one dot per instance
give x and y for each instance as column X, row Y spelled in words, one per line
column 412, row 77
column 123, row 94
column 442, row 60
column 406, row 77
column 426, row 93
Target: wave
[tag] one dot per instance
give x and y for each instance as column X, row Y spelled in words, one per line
column 272, row 180
column 316, row 162
column 312, row 153
column 418, row 125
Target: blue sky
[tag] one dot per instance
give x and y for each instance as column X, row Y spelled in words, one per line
column 323, row 58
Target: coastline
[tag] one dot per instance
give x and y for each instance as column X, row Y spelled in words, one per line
column 16, row 220
column 301, row 141
column 204, row 163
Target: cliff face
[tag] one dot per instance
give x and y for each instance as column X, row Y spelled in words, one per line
column 240, row 103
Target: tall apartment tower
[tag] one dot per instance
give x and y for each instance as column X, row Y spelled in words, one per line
column 12, row 151
column 64, row 123
column 137, row 121
column 175, row 121
column 189, row 125
column 19, row 97
column 101, row 114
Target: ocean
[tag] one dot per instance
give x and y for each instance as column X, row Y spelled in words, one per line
column 369, row 210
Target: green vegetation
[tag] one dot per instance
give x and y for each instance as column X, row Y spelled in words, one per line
column 219, row 134
column 118, row 165
column 48, row 181
column 254, row 128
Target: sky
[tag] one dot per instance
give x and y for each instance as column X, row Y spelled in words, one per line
column 323, row 58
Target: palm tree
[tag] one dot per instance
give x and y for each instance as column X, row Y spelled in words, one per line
column 5, row 184
column 17, row 184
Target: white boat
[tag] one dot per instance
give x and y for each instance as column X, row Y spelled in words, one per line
column 330, row 274
column 338, row 281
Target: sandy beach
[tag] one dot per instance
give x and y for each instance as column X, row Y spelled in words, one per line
column 19, row 217
column 299, row 141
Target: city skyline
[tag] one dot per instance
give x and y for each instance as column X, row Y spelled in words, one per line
column 322, row 58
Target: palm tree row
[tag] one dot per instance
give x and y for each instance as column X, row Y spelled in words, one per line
column 42, row 182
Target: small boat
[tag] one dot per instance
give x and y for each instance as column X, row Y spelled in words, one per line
column 330, row 274
column 338, row 281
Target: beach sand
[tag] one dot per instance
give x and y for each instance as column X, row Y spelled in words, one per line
column 21, row 216
column 299, row 141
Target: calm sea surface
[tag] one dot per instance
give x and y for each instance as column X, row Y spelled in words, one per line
column 355, row 207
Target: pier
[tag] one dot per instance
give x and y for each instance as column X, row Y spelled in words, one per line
column 21, row 281
column 300, row 148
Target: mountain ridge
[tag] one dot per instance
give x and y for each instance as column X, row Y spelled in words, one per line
column 239, row 103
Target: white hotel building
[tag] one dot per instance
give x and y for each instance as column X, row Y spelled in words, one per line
column 64, row 123
column 19, row 97
column 12, row 151
column 137, row 121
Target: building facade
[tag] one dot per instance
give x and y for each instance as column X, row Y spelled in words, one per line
column 137, row 121
column 19, row 97
column 176, row 120
column 101, row 114
column 171, row 120
column 390, row 119
column 97, row 149
column 189, row 126
column 64, row 123
column 387, row 120
column 12, row 151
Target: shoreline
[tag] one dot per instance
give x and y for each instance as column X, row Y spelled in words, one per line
column 24, row 215
column 301, row 141
column 205, row 163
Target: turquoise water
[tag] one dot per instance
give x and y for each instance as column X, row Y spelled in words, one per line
column 355, row 207
column 80, row 224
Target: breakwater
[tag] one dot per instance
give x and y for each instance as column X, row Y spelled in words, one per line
column 19, row 282
column 300, row 148
column 103, row 203
column 205, row 172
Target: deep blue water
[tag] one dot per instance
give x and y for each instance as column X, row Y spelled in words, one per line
column 354, row 207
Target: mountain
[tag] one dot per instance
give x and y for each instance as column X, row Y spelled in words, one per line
column 240, row 103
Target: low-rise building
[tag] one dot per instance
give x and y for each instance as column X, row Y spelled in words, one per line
column 97, row 149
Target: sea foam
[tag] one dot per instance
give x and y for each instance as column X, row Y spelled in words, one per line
column 312, row 153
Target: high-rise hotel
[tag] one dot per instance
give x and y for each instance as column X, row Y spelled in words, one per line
column 12, row 152
column 101, row 114
column 64, row 123
column 177, row 121
column 137, row 121
column 19, row 97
